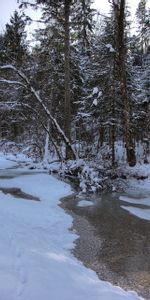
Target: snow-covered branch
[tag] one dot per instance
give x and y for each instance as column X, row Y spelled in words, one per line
column 46, row 130
column 14, row 82
column 39, row 100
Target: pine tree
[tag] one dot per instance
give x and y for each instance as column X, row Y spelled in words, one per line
column 143, row 20
column 13, row 51
column 63, row 13
column 14, row 40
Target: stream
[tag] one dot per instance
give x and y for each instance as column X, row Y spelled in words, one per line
column 112, row 242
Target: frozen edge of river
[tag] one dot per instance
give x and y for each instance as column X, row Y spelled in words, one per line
column 39, row 243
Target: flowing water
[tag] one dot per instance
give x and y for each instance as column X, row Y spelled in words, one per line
column 113, row 242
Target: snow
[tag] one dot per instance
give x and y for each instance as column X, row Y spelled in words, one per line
column 139, row 212
column 95, row 102
column 45, row 108
column 4, row 163
column 35, row 258
column 110, row 47
column 141, row 170
column 100, row 94
column 84, row 203
column 95, row 91
column 141, row 201
column 142, row 184
column 142, row 213
column 19, row 157
column 11, row 82
column 141, row 192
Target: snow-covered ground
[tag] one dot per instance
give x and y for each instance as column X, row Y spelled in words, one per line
column 140, row 211
column 35, row 258
column 4, row 163
column 139, row 192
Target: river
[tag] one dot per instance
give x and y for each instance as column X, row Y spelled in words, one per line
column 113, row 242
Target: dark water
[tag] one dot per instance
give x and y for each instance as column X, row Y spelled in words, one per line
column 10, row 173
column 123, row 256
column 18, row 193
column 112, row 242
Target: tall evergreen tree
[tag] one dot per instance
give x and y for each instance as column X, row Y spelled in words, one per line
column 14, row 40
column 13, row 51
column 143, row 20
column 64, row 14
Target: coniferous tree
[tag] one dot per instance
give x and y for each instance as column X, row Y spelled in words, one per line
column 13, row 51
column 143, row 20
column 14, row 40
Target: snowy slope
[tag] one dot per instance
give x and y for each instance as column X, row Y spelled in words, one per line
column 4, row 163
column 140, row 193
column 35, row 258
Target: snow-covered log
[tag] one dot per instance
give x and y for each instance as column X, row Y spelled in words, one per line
column 39, row 100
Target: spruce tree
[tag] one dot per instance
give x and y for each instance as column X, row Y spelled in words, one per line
column 143, row 21
column 14, row 40
column 13, row 51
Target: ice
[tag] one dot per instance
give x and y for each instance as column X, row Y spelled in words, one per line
column 84, row 203
column 142, row 201
column 35, row 249
column 139, row 212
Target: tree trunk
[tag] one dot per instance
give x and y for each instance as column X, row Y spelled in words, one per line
column 29, row 87
column 67, row 108
column 46, row 147
column 121, row 47
column 113, row 125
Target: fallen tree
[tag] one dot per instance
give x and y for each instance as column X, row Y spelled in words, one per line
column 26, row 84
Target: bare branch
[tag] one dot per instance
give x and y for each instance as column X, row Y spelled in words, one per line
column 14, row 82
column 39, row 100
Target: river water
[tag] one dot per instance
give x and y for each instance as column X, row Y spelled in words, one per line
column 113, row 242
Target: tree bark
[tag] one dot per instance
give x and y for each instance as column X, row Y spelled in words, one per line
column 67, row 106
column 121, row 49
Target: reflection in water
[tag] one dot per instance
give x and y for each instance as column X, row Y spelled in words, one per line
column 124, row 255
column 18, row 193
column 16, row 172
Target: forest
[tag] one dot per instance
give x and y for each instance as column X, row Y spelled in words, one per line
column 79, row 91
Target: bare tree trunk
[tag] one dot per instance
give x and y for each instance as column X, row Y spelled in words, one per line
column 113, row 126
column 46, row 147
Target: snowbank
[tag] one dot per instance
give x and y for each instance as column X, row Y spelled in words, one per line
column 4, row 163
column 35, row 257
column 139, row 189
column 139, row 212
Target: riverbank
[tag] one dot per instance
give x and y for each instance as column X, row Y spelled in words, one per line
column 112, row 242
column 35, row 251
